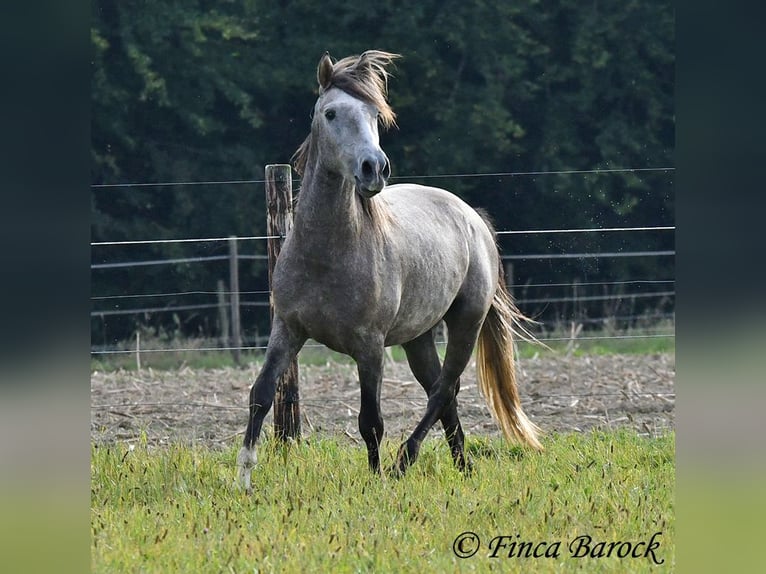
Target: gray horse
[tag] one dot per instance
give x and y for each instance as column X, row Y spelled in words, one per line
column 368, row 266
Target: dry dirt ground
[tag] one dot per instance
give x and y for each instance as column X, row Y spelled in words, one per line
column 208, row 407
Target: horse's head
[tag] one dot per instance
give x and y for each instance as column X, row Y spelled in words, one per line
column 348, row 140
column 352, row 101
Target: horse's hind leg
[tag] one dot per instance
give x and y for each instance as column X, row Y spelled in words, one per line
column 282, row 349
column 425, row 365
column 464, row 323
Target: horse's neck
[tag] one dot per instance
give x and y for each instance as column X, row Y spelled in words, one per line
column 329, row 212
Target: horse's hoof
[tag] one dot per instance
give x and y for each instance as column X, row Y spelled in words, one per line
column 397, row 471
column 403, row 462
column 467, row 467
column 246, row 460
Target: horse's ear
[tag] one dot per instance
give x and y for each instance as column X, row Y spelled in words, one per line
column 324, row 71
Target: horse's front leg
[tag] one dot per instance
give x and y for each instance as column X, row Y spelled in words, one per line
column 282, row 349
column 370, row 367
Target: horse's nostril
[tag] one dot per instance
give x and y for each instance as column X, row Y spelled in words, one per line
column 368, row 171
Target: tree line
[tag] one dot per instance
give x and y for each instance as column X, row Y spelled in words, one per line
column 194, row 91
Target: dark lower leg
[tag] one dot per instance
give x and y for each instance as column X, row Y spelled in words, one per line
column 454, row 433
column 281, row 351
column 425, row 365
column 438, row 401
column 463, row 330
column 372, row 433
column 370, row 421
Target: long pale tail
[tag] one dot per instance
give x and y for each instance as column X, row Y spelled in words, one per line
column 496, row 368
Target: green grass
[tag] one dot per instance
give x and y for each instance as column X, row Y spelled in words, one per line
column 316, row 507
column 601, row 342
column 624, row 346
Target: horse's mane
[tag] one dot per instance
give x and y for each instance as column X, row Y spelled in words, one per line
column 364, row 77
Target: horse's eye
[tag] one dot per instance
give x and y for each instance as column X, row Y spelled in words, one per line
column 330, row 114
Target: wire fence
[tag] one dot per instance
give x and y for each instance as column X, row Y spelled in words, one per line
column 573, row 296
column 399, row 177
column 264, row 294
column 539, row 300
column 97, row 351
column 266, row 237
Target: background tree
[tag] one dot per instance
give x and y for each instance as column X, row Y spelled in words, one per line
column 198, row 91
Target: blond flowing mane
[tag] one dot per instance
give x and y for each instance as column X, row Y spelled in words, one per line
column 364, row 77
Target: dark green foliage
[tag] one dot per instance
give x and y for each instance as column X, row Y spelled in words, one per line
column 213, row 91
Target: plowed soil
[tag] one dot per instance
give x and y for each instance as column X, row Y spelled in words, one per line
column 560, row 394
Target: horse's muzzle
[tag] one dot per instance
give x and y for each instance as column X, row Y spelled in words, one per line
column 372, row 174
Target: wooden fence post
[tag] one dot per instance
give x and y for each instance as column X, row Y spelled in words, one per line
column 223, row 316
column 236, row 333
column 509, row 279
column 279, row 220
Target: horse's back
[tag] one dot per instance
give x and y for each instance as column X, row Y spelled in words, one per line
column 412, row 194
column 445, row 250
column 431, row 215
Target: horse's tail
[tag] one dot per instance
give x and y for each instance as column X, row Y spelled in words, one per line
column 496, row 367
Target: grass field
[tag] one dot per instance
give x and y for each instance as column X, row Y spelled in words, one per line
column 316, row 508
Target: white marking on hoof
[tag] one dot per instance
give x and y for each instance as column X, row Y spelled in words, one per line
column 246, row 460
